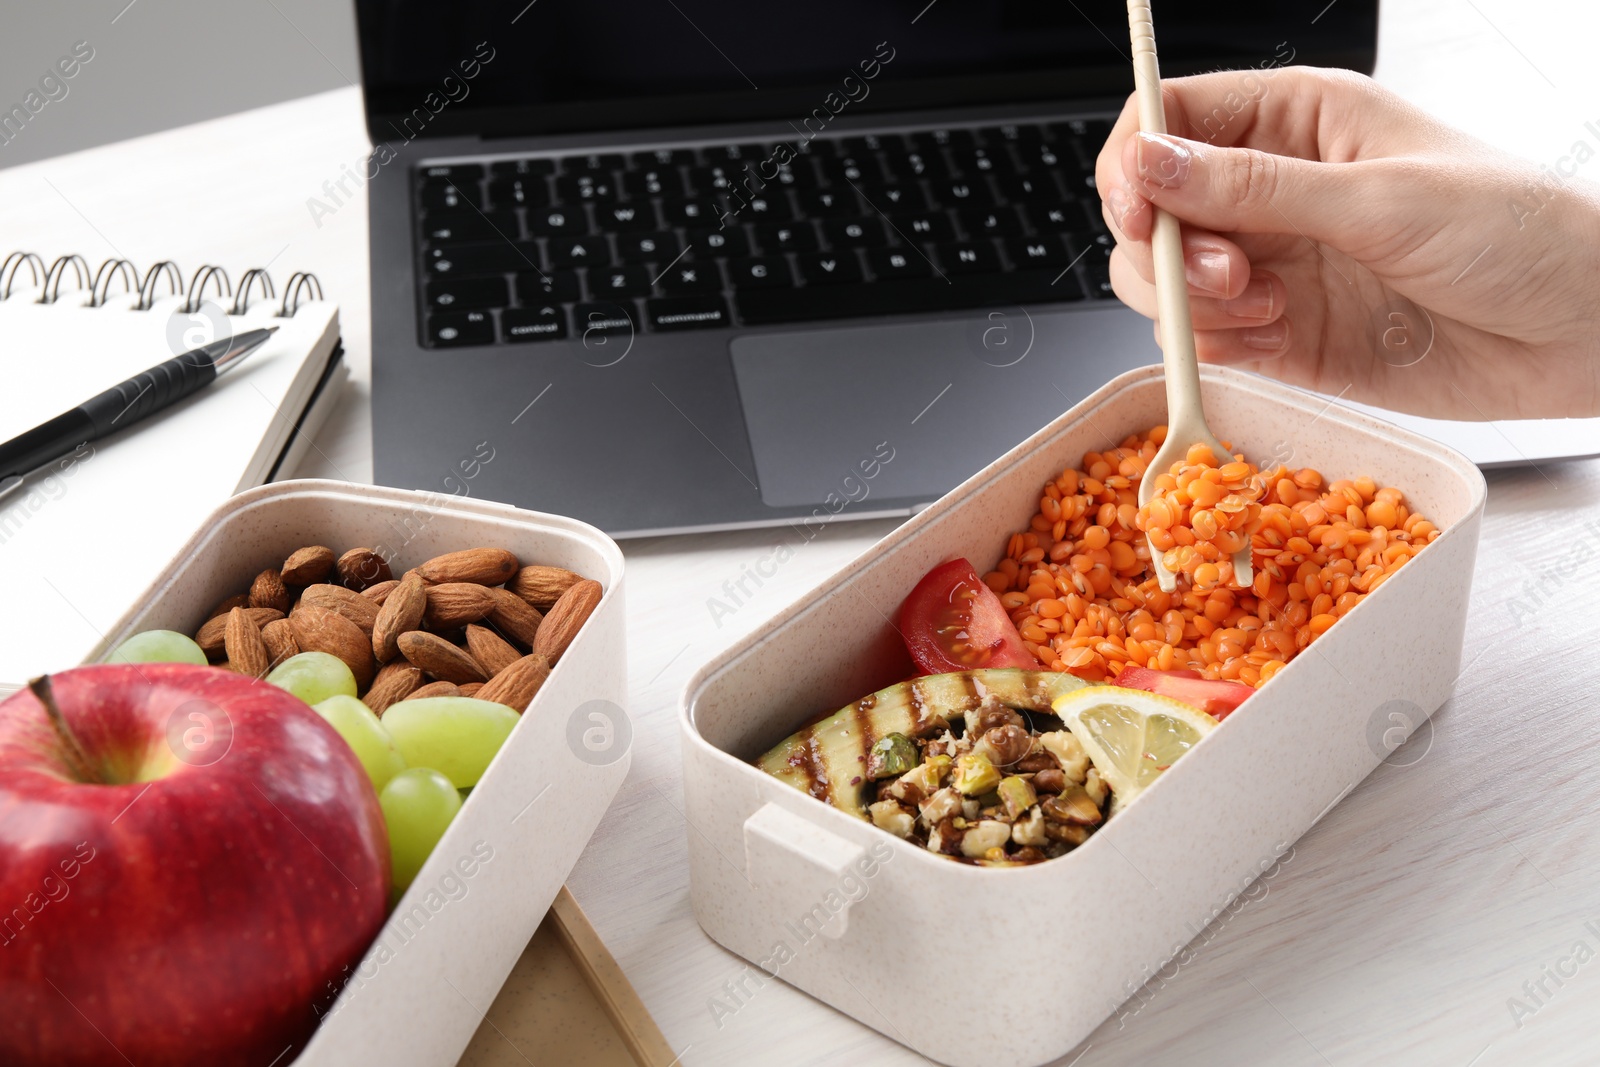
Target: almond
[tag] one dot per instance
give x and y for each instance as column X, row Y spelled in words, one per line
column 439, row 657
column 456, row 604
column 516, row 684
column 566, row 618
column 280, row 641
column 481, row 566
column 393, row 683
column 490, row 650
column 542, row 586
column 353, row 606
column 320, row 629
column 210, row 637
column 402, row 610
column 247, row 652
column 268, row 591
column 240, row 600
column 514, row 617
column 470, row 689
column 380, row 592
column 435, row 689
column 306, row 566
column 362, row 567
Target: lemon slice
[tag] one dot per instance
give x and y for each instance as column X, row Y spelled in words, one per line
column 1132, row 736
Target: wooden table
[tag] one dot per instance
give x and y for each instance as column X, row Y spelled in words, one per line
column 1406, row 923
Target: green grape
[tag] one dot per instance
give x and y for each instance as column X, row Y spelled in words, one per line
column 457, row 735
column 314, row 677
column 418, row 804
column 365, row 735
column 158, row 646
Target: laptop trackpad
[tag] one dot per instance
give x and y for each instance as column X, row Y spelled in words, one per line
column 943, row 399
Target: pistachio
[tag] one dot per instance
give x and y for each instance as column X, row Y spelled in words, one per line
column 929, row 775
column 891, row 756
column 1017, row 795
column 1073, row 806
column 975, row 775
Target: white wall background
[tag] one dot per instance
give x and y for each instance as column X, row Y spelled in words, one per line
column 164, row 63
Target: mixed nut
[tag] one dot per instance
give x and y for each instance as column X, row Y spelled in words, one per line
column 476, row 622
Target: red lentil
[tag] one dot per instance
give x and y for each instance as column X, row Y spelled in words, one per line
column 1078, row 585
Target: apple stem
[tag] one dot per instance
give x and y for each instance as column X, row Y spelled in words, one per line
column 41, row 689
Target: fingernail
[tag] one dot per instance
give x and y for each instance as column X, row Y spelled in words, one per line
column 1163, row 161
column 1117, row 201
column 1254, row 303
column 1208, row 272
column 1273, row 337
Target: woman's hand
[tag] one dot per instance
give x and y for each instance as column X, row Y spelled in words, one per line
column 1338, row 238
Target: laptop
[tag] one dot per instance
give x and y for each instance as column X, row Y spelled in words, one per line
column 671, row 265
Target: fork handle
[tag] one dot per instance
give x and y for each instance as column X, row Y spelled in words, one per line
column 1172, row 286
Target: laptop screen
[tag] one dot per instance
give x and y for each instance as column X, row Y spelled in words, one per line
column 550, row 65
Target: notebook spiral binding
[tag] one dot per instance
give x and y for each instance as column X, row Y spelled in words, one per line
column 97, row 283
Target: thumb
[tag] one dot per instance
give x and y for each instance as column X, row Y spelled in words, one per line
column 1241, row 190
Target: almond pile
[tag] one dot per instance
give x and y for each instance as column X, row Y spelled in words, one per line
column 471, row 623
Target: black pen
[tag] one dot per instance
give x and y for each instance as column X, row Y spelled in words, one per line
column 123, row 405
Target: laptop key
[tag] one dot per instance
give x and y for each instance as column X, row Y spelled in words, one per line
column 687, row 276
column 894, row 197
column 773, row 207
column 519, row 168
column 664, row 157
column 680, row 212
column 593, row 161
column 547, row 323
column 851, row 170
column 544, row 287
column 933, row 140
column 458, row 294
column 963, row 192
column 619, row 281
column 455, row 227
column 760, row 272
column 827, row 268
column 646, row 247
column 759, row 307
column 557, row 220
column 998, row 222
column 630, row 216
column 458, row 172
column 716, row 178
column 1014, row 133
column 595, row 322
column 1045, row 250
column 519, row 192
column 872, row 142
column 970, row 257
column 1034, row 188
column 450, row 194
column 976, row 161
column 828, row 203
column 460, row 328
column 788, row 237
column 890, row 263
column 686, row 313
column 710, row 244
column 1048, row 157
column 733, row 153
column 910, row 166
column 854, row 233
column 578, row 251
column 652, row 181
column 486, row 257
column 1060, row 218
column 577, row 188
column 923, row 226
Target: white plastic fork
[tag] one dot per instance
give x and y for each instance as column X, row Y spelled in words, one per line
column 1186, row 419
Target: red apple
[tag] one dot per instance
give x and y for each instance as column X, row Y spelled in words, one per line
column 189, row 861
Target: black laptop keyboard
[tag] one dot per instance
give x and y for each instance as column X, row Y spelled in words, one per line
column 546, row 247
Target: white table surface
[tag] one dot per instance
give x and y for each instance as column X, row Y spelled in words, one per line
column 1407, row 918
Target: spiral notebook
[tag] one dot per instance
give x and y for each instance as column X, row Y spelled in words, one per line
column 84, row 537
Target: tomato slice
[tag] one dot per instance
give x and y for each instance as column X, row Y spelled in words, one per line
column 1216, row 698
column 952, row 621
